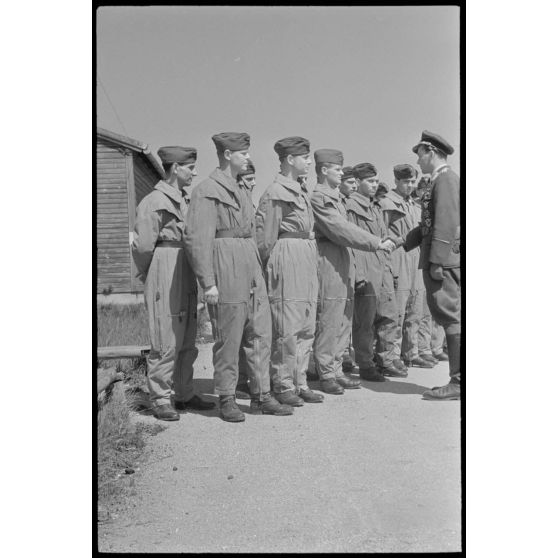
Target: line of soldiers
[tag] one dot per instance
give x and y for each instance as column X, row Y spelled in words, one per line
column 298, row 276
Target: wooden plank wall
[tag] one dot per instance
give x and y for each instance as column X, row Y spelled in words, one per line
column 144, row 179
column 113, row 250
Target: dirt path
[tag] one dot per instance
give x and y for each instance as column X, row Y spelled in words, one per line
column 374, row 470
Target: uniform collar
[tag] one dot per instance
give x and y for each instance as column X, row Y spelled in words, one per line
column 332, row 193
column 288, row 183
column 396, row 197
column 224, row 180
column 438, row 170
column 360, row 199
column 168, row 190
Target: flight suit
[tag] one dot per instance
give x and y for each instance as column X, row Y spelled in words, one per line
column 285, row 236
column 222, row 250
column 401, row 217
column 170, row 293
column 415, row 305
column 335, row 238
column 439, row 238
column 375, row 308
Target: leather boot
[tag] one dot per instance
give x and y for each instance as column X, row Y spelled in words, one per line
column 310, row 396
column 269, row 406
column 348, row 383
column 429, row 358
column 289, row 398
column 228, row 409
column 371, row 375
column 449, row 392
column 165, row 412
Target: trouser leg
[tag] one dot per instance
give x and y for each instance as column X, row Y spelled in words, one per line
column 285, row 326
column 401, row 298
column 385, row 326
column 242, row 374
column 304, row 343
column 409, row 345
column 344, row 339
column 424, row 334
column 363, row 326
column 256, row 342
column 437, row 338
column 164, row 329
column 327, row 355
column 228, row 321
column 186, row 355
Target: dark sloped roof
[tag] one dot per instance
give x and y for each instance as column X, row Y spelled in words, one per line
column 132, row 144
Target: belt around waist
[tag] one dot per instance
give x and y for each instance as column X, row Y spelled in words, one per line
column 232, row 233
column 307, row 235
column 169, row 244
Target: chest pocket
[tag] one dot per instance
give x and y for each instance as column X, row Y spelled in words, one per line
column 228, row 209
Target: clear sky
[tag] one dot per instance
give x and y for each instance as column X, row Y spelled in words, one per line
column 366, row 80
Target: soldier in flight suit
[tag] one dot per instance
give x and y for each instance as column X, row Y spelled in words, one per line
column 401, row 216
column 335, row 238
column 439, row 238
column 246, row 178
column 223, row 253
column 170, row 286
column 285, row 235
column 375, row 310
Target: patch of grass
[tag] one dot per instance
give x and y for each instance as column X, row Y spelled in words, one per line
column 119, row 443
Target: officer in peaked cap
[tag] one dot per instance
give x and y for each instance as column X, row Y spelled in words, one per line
column 335, row 237
column 439, row 237
column 170, row 286
column 434, row 141
column 285, row 235
column 221, row 247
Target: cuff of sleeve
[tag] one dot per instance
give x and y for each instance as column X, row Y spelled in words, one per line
column 439, row 252
column 208, row 281
column 397, row 240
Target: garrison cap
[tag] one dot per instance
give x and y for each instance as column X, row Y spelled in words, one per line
column 177, row 154
column 430, row 139
column 333, row 156
column 364, row 170
column 348, row 173
column 293, row 145
column 250, row 169
column 382, row 187
column 404, row 172
column 235, row 141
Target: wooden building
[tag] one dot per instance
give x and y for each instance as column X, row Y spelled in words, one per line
column 126, row 173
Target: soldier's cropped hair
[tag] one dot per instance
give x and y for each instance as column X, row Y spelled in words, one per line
column 319, row 167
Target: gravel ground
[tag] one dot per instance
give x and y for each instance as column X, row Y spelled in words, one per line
column 374, row 470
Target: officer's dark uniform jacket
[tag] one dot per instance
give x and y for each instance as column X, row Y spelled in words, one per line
column 439, row 232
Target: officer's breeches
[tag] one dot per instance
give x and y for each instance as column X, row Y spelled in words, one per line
column 444, row 299
column 243, row 326
column 294, row 322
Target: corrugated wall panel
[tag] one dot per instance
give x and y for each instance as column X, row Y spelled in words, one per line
column 113, row 252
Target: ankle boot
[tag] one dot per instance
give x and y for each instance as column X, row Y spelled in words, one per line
column 228, row 409
column 269, row 406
